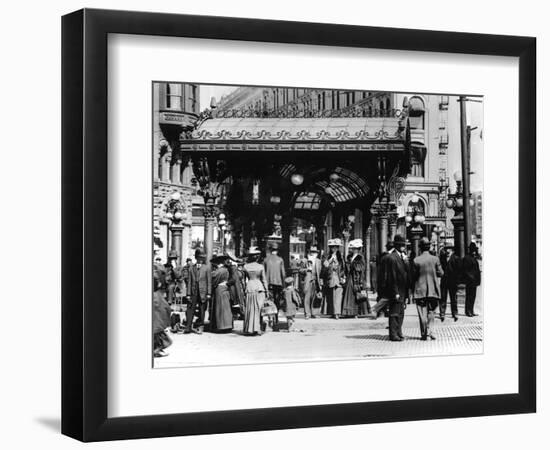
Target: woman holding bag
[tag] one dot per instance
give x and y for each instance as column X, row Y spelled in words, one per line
column 355, row 301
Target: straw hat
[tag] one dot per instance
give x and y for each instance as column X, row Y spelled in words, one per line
column 356, row 243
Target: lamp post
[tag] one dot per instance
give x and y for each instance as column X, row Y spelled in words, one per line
column 438, row 230
column 347, row 233
column 415, row 219
column 456, row 203
column 222, row 223
column 176, row 214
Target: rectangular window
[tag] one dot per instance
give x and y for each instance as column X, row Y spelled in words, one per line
column 417, row 122
column 193, row 98
column 417, row 169
column 173, row 96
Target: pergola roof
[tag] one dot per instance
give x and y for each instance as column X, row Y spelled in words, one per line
column 283, row 129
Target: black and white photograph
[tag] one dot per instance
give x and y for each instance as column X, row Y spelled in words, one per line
column 314, row 224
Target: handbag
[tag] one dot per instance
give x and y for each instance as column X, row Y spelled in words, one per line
column 317, row 300
column 268, row 308
column 362, row 296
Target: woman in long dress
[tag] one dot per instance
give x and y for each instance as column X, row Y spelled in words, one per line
column 221, row 319
column 333, row 268
column 255, row 293
column 355, row 301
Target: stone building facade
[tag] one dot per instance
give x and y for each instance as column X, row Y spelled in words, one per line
column 175, row 110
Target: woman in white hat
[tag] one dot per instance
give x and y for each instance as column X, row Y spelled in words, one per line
column 255, row 293
column 334, row 274
column 355, row 300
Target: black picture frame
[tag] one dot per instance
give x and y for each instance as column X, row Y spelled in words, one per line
column 84, row 224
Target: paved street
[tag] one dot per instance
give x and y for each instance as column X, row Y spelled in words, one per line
column 326, row 339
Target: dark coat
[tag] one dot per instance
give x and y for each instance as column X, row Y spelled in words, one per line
column 452, row 269
column 427, row 270
column 471, row 272
column 159, row 275
column 161, row 312
column 394, row 276
column 200, row 282
column 274, row 270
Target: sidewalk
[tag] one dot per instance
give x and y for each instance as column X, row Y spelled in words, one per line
column 325, row 339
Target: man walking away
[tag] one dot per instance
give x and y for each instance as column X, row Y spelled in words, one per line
column 426, row 271
column 275, row 273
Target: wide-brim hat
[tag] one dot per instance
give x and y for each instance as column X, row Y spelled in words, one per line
column 172, row 254
column 356, row 243
column 336, row 242
column 313, row 249
column 253, row 251
column 399, row 240
column 289, row 280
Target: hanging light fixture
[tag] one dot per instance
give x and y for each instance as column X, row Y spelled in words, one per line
column 297, row 179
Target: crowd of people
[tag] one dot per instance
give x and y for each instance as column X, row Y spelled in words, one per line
column 257, row 288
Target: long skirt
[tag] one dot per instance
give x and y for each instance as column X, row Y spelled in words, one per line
column 349, row 302
column 252, row 312
column 222, row 317
column 334, row 300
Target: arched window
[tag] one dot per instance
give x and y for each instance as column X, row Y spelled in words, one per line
column 416, row 113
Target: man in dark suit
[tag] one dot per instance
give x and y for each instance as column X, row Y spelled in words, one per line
column 199, row 291
column 171, row 275
column 472, row 278
column 426, row 271
column 381, row 303
column 395, row 276
column 275, row 273
column 451, row 264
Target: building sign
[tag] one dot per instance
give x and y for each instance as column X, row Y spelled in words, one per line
column 178, row 118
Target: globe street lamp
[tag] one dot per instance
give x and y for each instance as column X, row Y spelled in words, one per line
column 414, row 219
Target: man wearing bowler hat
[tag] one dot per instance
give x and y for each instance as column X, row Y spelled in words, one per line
column 275, row 273
column 395, row 276
column 312, row 283
column 451, row 264
column 199, row 291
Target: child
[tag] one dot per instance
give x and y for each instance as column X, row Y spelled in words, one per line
column 291, row 300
